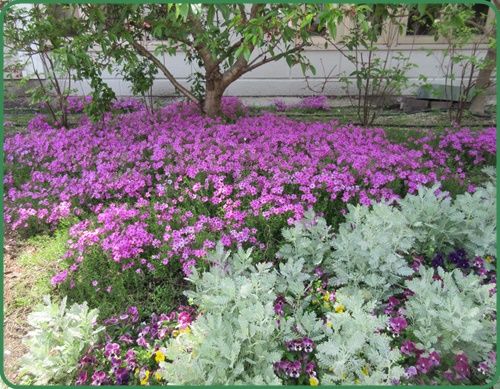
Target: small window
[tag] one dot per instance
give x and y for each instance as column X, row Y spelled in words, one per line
column 421, row 24
column 480, row 14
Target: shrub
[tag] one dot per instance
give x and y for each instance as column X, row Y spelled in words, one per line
column 440, row 223
column 356, row 351
column 370, row 249
column 57, row 339
column 235, row 339
column 452, row 313
column 478, row 218
column 310, row 239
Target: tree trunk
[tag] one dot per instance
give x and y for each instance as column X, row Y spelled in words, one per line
column 478, row 105
column 213, row 98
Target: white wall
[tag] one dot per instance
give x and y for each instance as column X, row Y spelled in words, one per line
column 277, row 79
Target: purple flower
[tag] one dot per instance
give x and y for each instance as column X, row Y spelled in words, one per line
column 82, row 378
column 448, row 375
column 307, row 345
column 294, row 369
column 438, row 260
column 411, row 372
column 281, row 366
column 314, row 103
column 459, row 259
column 462, row 368
column 417, row 262
column 111, row 350
column 392, row 303
column 126, row 338
column 98, row 378
column 134, row 313
column 87, row 360
column 279, row 304
column 122, row 376
column 424, row 365
column 310, row 369
column 59, row 278
column 397, row 324
column 319, row 272
column 435, row 358
column 408, row 347
column 130, row 358
column 141, row 341
column 184, row 319
column 294, row 345
column 483, row 368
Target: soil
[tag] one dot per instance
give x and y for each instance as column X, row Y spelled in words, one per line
column 14, row 325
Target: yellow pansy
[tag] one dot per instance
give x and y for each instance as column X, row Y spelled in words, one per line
column 313, row 381
column 158, row 376
column 145, row 379
column 326, row 296
column 329, row 324
column 159, row 356
column 339, row 308
column 176, row 333
column 365, row 370
column 488, row 258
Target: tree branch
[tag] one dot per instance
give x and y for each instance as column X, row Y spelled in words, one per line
column 224, row 56
column 208, row 60
column 243, row 12
column 229, row 77
column 141, row 50
column 239, row 66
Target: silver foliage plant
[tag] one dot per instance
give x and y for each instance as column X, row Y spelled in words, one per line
column 58, row 337
column 453, row 314
column 237, row 338
column 309, row 239
column 478, row 217
column 371, row 246
column 355, row 351
column 235, row 341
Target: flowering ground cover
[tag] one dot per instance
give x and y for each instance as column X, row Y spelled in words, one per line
column 147, row 198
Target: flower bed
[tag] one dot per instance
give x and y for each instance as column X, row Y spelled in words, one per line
column 149, row 198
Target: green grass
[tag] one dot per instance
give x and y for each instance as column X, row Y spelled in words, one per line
column 38, row 261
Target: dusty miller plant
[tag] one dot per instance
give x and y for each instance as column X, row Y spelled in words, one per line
column 58, row 337
column 355, row 351
column 370, row 249
column 309, row 239
column 478, row 217
column 454, row 314
column 235, row 341
column 432, row 218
